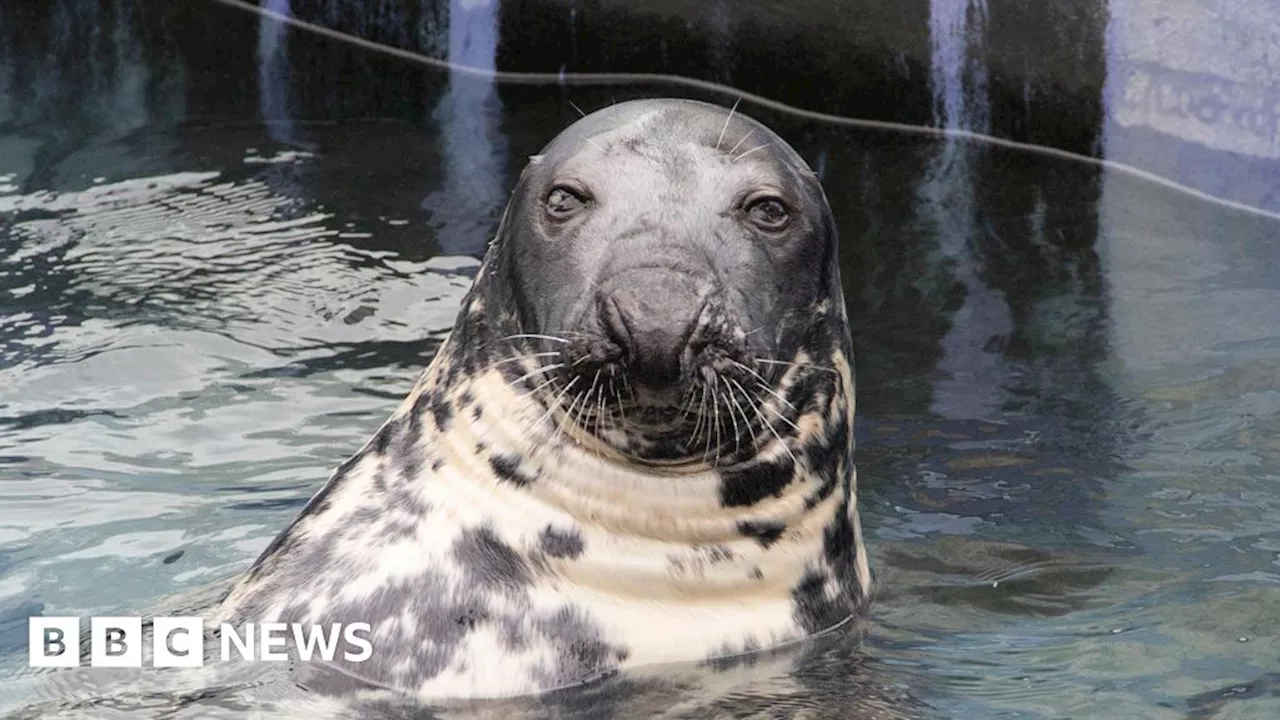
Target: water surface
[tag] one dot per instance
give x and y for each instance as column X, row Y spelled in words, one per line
column 222, row 269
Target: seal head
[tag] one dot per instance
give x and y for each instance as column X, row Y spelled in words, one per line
column 634, row 447
column 672, row 245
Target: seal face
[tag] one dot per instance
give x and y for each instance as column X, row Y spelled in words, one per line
column 634, row 447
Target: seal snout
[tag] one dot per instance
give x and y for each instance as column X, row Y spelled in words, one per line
column 654, row 320
column 662, row 332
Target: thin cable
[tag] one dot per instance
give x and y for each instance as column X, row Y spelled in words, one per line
column 588, row 79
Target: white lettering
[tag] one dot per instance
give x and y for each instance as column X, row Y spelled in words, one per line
column 230, row 637
column 349, row 632
column 268, row 641
column 316, row 636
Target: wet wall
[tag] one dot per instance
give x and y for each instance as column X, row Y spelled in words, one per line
column 1030, row 72
column 1061, row 74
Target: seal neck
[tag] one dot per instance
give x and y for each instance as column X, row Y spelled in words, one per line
column 802, row 459
column 766, row 546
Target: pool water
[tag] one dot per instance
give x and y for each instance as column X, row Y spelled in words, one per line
column 1068, row 374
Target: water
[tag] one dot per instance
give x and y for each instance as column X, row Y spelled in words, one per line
column 222, row 268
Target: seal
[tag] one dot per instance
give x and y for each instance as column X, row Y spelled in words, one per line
column 635, row 446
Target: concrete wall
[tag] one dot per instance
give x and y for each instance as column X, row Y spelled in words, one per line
column 1193, row 94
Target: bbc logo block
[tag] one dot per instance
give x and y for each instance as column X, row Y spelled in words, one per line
column 115, row 642
column 54, row 641
column 178, row 642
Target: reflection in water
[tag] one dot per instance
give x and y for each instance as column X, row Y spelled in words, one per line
column 972, row 349
column 273, row 73
column 972, row 363
column 956, row 28
column 1066, row 377
column 463, row 212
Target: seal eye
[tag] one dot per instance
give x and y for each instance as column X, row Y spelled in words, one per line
column 769, row 213
column 563, row 202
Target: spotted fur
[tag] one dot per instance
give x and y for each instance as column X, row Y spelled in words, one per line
column 498, row 549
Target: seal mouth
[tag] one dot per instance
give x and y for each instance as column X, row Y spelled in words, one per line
column 711, row 407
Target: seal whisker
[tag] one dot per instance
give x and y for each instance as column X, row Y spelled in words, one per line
column 706, row 448
column 534, row 391
column 797, row 365
column 585, row 413
column 686, row 407
column 627, row 384
column 598, row 421
column 572, row 417
column 713, row 430
column 702, row 416
column 748, row 152
column 765, row 421
column 755, row 434
column 535, row 336
column 595, row 382
column 518, row 358
column 585, row 398
column 715, row 413
column 622, row 408
column 728, row 119
column 737, row 434
column 613, row 393
column 704, row 421
column 539, row 371
column 730, row 402
column 599, row 409
column 755, row 438
column 783, row 418
column 765, row 385
column 734, row 149
column 789, row 404
column 555, row 403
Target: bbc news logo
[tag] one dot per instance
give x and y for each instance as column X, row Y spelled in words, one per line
column 179, row 641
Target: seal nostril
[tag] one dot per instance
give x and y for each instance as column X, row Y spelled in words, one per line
column 697, row 335
column 615, row 326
